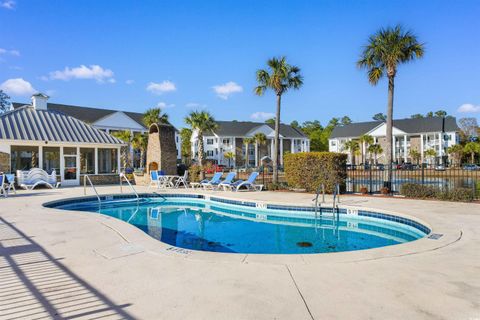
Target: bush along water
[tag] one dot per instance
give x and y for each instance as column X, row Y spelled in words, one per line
column 420, row 191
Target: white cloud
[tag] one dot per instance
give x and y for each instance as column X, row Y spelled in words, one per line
column 224, row 91
column 15, row 53
column 17, row 87
column 163, row 105
column 94, row 71
column 130, row 81
column 262, row 115
column 8, row 4
column 195, row 105
column 468, row 108
column 162, row 87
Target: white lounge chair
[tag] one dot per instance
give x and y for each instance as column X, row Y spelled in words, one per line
column 153, row 179
column 10, row 183
column 2, row 185
column 213, row 182
column 36, row 177
column 249, row 184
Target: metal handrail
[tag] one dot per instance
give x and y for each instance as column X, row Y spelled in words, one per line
column 129, row 184
column 85, row 178
column 322, row 186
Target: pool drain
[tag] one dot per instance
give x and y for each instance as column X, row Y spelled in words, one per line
column 304, row 244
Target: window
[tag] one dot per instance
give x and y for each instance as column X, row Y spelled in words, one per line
column 107, row 161
column 24, row 158
column 216, row 151
column 209, row 141
column 209, row 153
column 51, row 159
column 87, row 160
column 226, row 142
column 333, row 143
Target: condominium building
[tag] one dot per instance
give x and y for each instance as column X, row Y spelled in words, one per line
column 230, row 137
column 421, row 134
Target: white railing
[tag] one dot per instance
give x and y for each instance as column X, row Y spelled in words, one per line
column 122, row 175
column 85, row 178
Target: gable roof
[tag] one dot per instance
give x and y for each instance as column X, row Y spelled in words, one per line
column 87, row 114
column 411, row 126
column 241, row 128
column 29, row 124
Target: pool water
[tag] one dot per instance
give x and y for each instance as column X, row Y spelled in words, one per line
column 203, row 225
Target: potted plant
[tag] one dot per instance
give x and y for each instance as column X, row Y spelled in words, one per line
column 363, row 190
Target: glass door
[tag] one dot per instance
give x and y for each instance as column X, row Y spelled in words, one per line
column 70, row 176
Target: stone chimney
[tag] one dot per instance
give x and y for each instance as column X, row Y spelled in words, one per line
column 39, row 101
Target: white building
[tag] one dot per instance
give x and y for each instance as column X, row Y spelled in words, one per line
column 421, row 134
column 106, row 120
column 230, row 135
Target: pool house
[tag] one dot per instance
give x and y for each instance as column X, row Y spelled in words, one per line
column 34, row 137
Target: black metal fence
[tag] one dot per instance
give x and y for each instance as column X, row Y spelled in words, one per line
column 372, row 179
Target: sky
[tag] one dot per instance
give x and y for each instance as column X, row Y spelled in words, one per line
column 203, row 55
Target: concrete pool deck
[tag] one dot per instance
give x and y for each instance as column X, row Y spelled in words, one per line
column 82, row 265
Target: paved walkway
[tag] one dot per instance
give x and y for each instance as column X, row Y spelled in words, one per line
column 64, row 264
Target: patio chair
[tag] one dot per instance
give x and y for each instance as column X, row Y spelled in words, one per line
column 2, row 185
column 182, row 180
column 213, row 182
column 10, row 182
column 153, row 179
column 249, row 184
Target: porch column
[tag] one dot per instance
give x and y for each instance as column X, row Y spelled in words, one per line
column 96, row 160
column 234, row 152
column 421, row 147
column 40, row 157
column 440, row 147
column 62, row 165
column 271, row 148
column 256, row 154
column 394, row 149
column 79, row 166
column 292, row 145
column 405, row 154
column 119, row 152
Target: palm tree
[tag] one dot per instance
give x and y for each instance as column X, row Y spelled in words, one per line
column 229, row 155
column 456, row 151
column 385, row 51
column 260, row 139
column 365, row 140
column 472, row 148
column 125, row 136
column 352, row 146
column 374, row 149
column 201, row 121
column 416, row 155
column 140, row 142
column 247, row 142
column 430, row 154
column 154, row 115
column 280, row 77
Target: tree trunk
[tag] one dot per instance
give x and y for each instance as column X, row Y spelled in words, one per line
column 472, row 156
column 246, row 155
column 363, row 151
column 142, row 158
column 389, row 147
column 277, row 136
column 200, row 155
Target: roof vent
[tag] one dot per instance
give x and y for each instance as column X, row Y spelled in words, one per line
column 39, row 101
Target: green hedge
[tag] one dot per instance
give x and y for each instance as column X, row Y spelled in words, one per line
column 420, row 191
column 308, row 170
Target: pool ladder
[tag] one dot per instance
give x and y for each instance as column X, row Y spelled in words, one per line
column 335, row 211
column 86, row 179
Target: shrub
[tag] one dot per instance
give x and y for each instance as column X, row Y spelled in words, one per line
column 308, row 170
column 194, row 173
column 363, row 190
column 420, row 191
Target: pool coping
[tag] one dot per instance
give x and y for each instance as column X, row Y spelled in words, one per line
column 134, row 236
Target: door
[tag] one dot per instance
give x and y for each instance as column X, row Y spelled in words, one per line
column 70, row 169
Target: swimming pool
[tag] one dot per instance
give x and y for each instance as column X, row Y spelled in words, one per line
column 216, row 224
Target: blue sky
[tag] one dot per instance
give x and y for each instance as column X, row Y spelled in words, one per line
column 185, row 55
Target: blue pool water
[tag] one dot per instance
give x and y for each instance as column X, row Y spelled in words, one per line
column 205, row 225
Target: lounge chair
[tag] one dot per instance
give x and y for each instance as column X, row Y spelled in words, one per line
column 10, row 183
column 182, row 180
column 37, row 177
column 213, row 182
column 249, row 184
column 228, row 180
